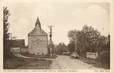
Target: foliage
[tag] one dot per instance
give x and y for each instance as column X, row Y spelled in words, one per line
column 87, row 39
column 104, row 59
column 71, row 46
column 90, row 40
column 6, row 44
column 60, row 48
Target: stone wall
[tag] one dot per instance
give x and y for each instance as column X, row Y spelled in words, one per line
column 38, row 44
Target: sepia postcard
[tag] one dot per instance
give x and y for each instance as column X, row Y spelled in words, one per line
column 56, row 36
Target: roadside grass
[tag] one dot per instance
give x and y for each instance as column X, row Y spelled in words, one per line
column 38, row 56
column 18, row 62
column 95, row 63
column 15, row 62
column 37, row 64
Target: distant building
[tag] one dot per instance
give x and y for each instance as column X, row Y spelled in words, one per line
column 16, row 45
column 38, row 40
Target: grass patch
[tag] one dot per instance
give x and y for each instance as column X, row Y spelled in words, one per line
column 14, row 62
column 27, row 63
column 38, row 56
column 94, row 62
column 41, row 64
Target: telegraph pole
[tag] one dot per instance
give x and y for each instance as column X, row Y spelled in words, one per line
column 51, row 49
column 50, row 35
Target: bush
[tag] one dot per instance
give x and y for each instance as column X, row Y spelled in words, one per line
column 104, row 59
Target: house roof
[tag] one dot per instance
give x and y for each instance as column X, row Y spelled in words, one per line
column 17, row 43
column 37, row 30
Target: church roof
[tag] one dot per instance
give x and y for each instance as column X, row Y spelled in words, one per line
column 37, row 30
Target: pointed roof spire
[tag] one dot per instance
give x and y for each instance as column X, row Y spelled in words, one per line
column 38, row 23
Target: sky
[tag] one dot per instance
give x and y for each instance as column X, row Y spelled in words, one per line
column 63, row 16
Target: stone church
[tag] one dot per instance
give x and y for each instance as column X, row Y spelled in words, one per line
column 38, row 40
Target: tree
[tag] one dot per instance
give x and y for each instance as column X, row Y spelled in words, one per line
column 60, row 48
column 71, row 47
column 86, row 39
column 6, row 43
column 90, row 40
column 104, row 51
column 91, row 37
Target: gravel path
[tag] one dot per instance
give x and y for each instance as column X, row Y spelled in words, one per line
column 65, row 62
